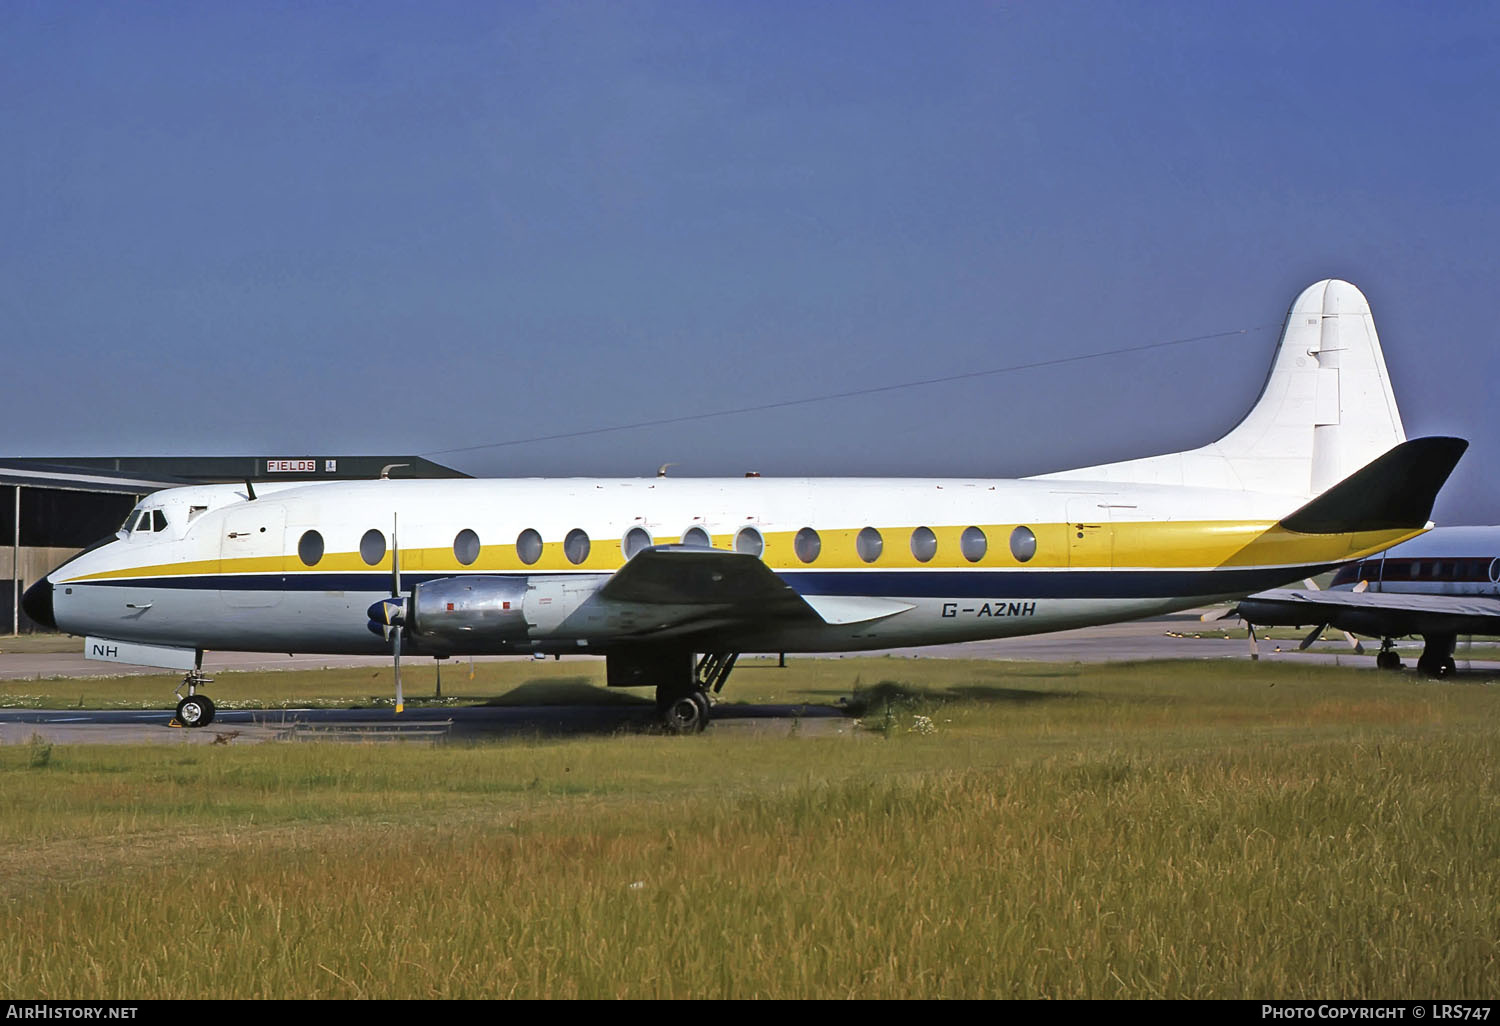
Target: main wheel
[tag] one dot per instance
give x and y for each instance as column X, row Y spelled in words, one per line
column 1388, row 661
column 686, row 715
column 195, row 711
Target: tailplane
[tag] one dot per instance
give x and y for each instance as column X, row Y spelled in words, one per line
column 1393, row 492
column 1325, row 410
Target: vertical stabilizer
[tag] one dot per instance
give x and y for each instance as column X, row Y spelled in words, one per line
column 1325, row 410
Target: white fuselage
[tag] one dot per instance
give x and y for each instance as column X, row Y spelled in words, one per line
column 900, row 562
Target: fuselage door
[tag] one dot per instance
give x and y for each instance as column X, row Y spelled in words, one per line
column 1091, row 539
column 250, row 555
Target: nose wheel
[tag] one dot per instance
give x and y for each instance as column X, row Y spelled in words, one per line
column 195, row 711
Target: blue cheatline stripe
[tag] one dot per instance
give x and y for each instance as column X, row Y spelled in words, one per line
column 978, row 584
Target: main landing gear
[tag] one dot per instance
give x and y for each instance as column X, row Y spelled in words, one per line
column 195, row 710
column 1436, row 659
column 1437, row 655
column 684, row 705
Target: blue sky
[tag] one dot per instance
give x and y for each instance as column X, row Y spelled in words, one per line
column 373, row 227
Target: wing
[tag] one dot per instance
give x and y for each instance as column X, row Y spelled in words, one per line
column 686, row 574
column 1380, row 614
column 676, row 588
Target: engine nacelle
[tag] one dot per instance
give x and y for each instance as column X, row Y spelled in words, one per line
column 471, row 611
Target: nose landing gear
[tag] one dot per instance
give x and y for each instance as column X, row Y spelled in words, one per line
column 194, row 710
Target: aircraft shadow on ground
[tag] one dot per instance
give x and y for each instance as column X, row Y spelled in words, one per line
column 895, row 692
column 564, row 691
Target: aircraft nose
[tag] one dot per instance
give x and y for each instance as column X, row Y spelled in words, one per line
column 37, row 602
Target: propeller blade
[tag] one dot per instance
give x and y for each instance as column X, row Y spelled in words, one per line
column 1254, row 644
column 1354, row 643
column 396, row 659
column 395, row 560
column 1314, row 636
column 399, row 602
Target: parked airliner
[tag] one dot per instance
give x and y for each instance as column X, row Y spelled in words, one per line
column 670, row 579
column 1441, row 585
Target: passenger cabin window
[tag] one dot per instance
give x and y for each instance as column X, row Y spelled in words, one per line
column 973, row 544
column 1022, row 544
column 807, row 544
column 310, row 548
column 923, row 544
column 636, row 539
column 696, row 537
column 372, row 547
column 576, row 546
column 466, row 547
column 529, row 546
column 749, row 541
column 1345, row 575
column 869, row 544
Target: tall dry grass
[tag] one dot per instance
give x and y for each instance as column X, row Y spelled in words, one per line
column 1109, row 832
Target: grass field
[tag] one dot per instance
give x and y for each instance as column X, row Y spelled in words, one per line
column 1151, row 830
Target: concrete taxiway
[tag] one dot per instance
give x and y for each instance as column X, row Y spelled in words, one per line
column 248, row 726
column 1182, row 636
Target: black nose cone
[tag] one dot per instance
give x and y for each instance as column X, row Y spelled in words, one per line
column 37, row 603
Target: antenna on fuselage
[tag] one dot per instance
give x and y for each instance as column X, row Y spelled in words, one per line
column 249, row 490
column 385, row 471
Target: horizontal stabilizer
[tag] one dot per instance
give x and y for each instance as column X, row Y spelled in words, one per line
column 1394, row 491
column 854, row 608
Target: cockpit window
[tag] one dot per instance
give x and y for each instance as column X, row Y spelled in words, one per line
column 158, row 520
column 129, row 523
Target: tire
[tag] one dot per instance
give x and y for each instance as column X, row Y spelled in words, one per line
column 686, row 715
column 195, row 711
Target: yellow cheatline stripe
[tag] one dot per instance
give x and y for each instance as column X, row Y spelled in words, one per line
column 1127, row 545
